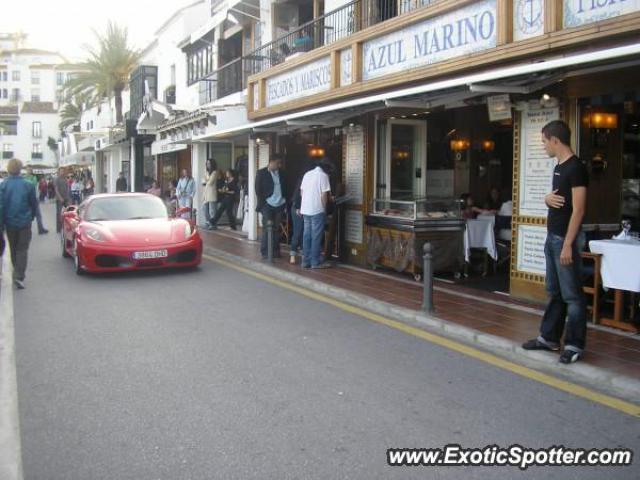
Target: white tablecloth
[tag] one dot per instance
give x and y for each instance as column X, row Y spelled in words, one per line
column 479, row 234
column 620, row 263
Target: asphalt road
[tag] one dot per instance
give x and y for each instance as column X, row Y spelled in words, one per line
column 213, row 374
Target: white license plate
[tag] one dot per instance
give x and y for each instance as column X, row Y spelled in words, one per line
column 150, row 254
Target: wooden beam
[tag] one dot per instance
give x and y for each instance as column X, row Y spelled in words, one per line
column 356, row 63
column 552, row 16
column 262, row 90
column 505, row 21
column 335, row 69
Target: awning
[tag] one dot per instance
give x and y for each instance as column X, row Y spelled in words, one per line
column 466, row 81
column 155, row 113
column 80, row 159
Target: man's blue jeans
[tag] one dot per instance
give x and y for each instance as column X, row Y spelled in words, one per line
column 296, row 237
column 312, row 238
column 566, row 297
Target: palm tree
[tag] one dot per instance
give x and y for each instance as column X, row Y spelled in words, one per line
column 106, row 72
column 53, row 146
column 72, row 110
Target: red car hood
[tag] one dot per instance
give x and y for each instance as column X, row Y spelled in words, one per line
column 147, row 232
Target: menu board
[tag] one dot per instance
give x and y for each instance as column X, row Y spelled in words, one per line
column 355, row 165
column 536, row 168
column 531, row 241
column 263, row 155
column 354, row 225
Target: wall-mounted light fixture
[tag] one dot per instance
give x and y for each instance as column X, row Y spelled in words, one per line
column 316, row 151
column 488, row 145
column 460, row 145
column 604, row 120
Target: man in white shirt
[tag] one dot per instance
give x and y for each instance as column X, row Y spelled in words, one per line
column 315, row 191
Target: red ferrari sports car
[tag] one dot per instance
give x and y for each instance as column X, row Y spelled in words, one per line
column 127, row 231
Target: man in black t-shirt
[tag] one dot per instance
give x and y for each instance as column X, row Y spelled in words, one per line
column 567, row 203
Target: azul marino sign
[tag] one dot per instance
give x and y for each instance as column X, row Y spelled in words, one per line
column 462, row 32
column 309, row 79
column 528, row 19
column 582, row 12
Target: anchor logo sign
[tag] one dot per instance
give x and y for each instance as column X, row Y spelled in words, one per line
column 530, row 17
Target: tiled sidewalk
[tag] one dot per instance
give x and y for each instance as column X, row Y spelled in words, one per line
column 486, row 312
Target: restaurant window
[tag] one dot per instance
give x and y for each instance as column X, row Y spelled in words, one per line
column 402, row 159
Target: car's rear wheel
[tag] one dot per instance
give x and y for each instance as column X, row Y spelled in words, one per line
column 77, row 264
column 63, row 244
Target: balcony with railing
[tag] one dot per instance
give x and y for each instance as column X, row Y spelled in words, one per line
column 327, row 29
column 7, row 155
column 36, row 155
column 228, row 79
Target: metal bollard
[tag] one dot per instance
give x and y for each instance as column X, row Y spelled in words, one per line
column 270, row 240
column 427, row 295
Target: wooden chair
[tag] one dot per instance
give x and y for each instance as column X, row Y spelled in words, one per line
column 594, row 288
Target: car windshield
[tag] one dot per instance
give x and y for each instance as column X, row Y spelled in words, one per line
column 125, row 207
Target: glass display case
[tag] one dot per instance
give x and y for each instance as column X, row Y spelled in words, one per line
column 398, row 229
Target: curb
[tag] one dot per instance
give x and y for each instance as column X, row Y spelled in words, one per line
column 10, row 448
column 597, row 378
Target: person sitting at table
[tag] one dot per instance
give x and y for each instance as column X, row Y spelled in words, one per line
column 494, row 201
column 469, row 210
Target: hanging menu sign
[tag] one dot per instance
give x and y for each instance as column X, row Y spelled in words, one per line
column 531, row 257
column 263, row 155
column 355, row 165
column 536, row 168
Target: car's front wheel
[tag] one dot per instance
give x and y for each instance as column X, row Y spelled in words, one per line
column 77, row 264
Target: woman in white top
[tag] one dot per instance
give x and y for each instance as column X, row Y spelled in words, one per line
column 76, row 191
column 210, row 200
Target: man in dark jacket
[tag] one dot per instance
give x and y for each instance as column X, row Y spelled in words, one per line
column 121, row 183
column 271, row 190
column 18, row 207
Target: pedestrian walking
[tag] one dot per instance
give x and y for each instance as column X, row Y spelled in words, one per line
column 210, row 190
column 271, row 190
column 18, row 206
column 61, row 189
column 76, row 191
column 228, row 197
column 314, row 190
column 51, row 189
column 33, row 180
column 567, row 204
column 185, row 190
column 89, row 185
column 42, row 190
column 121, row 183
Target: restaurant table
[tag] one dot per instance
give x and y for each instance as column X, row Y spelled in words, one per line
column 479, row 234
column 620, row 271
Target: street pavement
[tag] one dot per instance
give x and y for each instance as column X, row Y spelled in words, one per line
column 214, row 374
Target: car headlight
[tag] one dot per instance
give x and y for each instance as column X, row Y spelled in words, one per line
column 94, row 234
column 188, row 231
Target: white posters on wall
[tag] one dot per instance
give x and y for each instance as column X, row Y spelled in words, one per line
column 354, row 224
column 355, row 165
column 583, row 12
column 536, row 168
column 528, row 19
column 308, row 79
column 531, row 240
column 464, row 31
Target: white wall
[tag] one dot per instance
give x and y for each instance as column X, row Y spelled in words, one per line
column 49, row 128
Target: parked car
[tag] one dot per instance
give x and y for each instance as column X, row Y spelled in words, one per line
column 127, row 231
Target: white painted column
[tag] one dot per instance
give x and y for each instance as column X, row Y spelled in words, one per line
column 198, row 152
column 132, row 165
column 251, row 182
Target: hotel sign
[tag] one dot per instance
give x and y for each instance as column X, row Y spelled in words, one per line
column 462, row 32
column 583, row 12
column 309, row 79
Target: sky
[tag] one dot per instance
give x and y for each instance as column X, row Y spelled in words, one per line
column 66, row 25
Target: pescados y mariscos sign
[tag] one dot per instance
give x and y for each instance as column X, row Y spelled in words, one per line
column 582, row 12
column 308, row 79
column 461, row 32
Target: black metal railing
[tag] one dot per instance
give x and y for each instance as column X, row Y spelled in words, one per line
column 327, row 29
column 7, row 155
column 36, row 155
column 228, row 79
